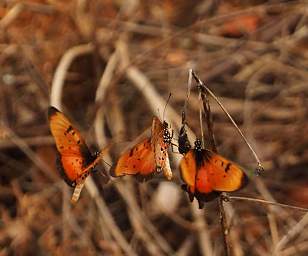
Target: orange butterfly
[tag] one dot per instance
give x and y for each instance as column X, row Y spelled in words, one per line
column 148, row 156
column 75, row 161
column 207, row 174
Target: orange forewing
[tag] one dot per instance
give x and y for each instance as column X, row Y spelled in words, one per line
column 188, row 170
column 147, row 157
column 139, row 160
column 206, row 174
column 224, row 175
column 74, row 153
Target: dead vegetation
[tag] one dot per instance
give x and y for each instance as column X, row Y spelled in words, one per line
column 110, row 65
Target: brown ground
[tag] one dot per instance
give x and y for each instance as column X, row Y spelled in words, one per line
column 254, row 56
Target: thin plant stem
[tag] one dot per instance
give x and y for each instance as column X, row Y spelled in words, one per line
column 266, row 202
column 202, row 85
column 204, row 108
column 224, row 225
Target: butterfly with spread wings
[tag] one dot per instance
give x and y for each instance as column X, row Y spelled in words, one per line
column 75, row 161
column 207, row 174
column 148, row 156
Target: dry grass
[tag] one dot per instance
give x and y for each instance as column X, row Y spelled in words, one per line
column 110, row 65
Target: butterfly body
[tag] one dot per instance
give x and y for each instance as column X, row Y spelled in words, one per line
column 206, row 174
column 161, row 140
column 148, row 156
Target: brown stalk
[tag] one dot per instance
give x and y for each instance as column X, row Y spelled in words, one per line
column 205, row 108
column 203, row 86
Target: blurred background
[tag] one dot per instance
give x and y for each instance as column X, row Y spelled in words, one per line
column 110, row 66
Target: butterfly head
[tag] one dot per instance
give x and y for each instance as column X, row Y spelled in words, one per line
column 96, row 154
column 198, row 145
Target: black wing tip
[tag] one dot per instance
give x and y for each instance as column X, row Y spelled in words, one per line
column 52, row 111
column 244, row 181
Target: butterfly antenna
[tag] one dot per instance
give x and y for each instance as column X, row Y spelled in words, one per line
column 166, row 106
column 158, row 114
column 174, row 145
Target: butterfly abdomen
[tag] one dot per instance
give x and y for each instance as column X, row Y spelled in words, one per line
column 202, row 156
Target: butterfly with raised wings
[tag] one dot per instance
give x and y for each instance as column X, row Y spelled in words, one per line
column 75, row 161
column 148, row 156
column 207, row 174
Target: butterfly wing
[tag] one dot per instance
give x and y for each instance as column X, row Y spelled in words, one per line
column 139, row 160
column 74, row 154
column 188, row 170
column 206, row 174
column 160, row 148
column 221, row 174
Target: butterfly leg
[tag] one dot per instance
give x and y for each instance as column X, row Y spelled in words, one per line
column 201, row 204
column 158, row 169
column 184, row 187
column 190, row 195
column 225, row 197
column 172, row 149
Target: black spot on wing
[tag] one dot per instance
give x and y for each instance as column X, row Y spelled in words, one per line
column 131, row 152
column 227, row 168
column 70, row 128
